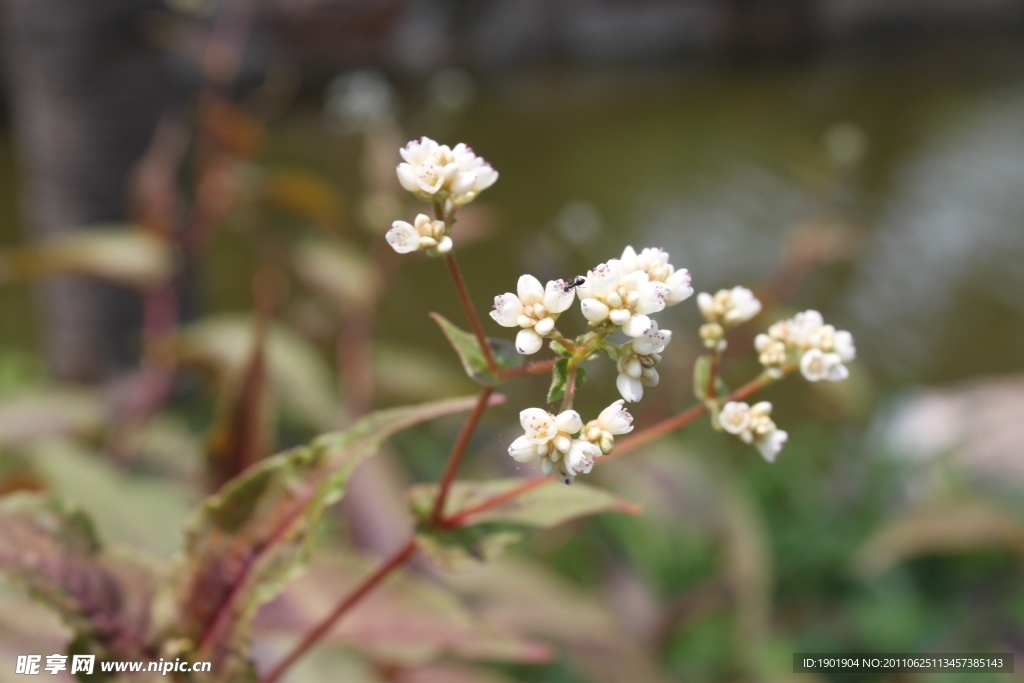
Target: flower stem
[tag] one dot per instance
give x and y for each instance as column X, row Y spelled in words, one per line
column 461, row 516
column 458, row 450
column 354, row 597
column 711, row 393
column 539, row 367
column 570, row 384
column 467, row 306
column 639, row 439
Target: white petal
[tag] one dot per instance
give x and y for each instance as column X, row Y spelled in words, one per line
column 403, row 238
column 407, row 177
column 538, row 424
column 706, row 304
column 734, row 417
column 485, row 177
column 463, row 183
column 650, row 377
column 636, row 325
column 547, row 467
column 632, row 367
column 530, row 290
column 629, row 388
column 812, row 365
column 523, row 450
column 528, row 342
column 429, row 177
column 507, row 309
column 679, row 287
column 616, row 419
column 594, row 310
column 653, row 297
column 581, row 457
column 444, row 246
column 544, row 327
column 843, row 344
column 603, row 279
column 837, row 372
column 771, row 444
column 569, row 422
column 619, row 316
column 629, row 263
column 556, row 299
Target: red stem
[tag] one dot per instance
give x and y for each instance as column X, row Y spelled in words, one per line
column 639, row 439
column 539, row 367
column 459, row 518
column 458, row 450
column 350, row 601
column 467, row 306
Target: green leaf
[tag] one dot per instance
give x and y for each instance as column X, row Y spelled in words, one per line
column 488, row 534
column 559, row 378
column 50, row 549
column 471, row 355
column 248, row 541
column 557, row 347
column 701, row 374
column 52, row 413
column 122, row 254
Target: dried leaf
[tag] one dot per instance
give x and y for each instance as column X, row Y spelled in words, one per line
column 126, row 256
column 297, row 375
column 407, row 621
column 472, row 357
column 946, row 527
column 248, row 541
column 488, row 534
column 51, row 550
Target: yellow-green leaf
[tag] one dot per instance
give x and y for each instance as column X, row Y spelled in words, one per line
column 472, row 356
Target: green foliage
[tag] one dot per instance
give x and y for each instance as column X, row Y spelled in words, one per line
column 488, row 534
column 248, row 541
column 472, row 356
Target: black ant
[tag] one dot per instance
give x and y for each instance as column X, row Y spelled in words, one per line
column 574, row 283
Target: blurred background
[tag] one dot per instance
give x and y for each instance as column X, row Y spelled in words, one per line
column 197, row 189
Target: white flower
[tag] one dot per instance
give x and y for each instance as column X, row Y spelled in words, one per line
column 433, row 172
column 820, row 349
column 535, row 310
column 729, row 307
column 624, row 299
column 424, row 234
column 637, row 362
column 817, row 365
column 547, row 436
column 612, row 421
column 654, row 262
column 652, row 341
column 754, row 426
column 771, row 444
column 734, row 417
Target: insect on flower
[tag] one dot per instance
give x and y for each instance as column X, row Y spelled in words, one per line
column 574, row 282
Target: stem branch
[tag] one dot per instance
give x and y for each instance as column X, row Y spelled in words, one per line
column 360, row 592
column 467, row 306
column 458, row 450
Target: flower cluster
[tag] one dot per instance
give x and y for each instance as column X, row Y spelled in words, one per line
column 754, row 425
column 820, row 349
column 437, row 173
column 423, row 235
column 535, row 309
column 563, row 444
column 726, row 308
